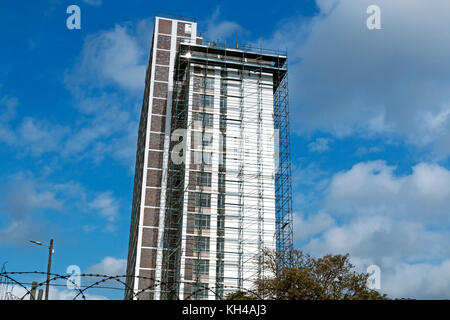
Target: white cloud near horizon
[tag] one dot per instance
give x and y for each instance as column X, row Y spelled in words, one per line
column 109, row 266
column 397, row 221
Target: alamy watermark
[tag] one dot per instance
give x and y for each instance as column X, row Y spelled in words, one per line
column 374, row 279
column 74, row 281
column 374, row 20
column 74, row 20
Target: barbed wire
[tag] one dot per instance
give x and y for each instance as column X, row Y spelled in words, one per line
column 154, row 283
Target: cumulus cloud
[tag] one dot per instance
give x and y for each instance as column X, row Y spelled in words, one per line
column 312, row 225
column 22, row 199
column 27, row 201
column 396, row 221
column 319, row 145
column 40, row 137
column 363, row 150
column 107, row 122
column 373, row 188
column 55, row 293
column 221, row 30
column 421, row 280
column 107, row 129
column 109, row 266
column 106, row 206
column 346, row 79
column 112, row 57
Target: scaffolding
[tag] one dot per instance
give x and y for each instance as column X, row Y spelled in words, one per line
column 185, row 196
column 283, row 183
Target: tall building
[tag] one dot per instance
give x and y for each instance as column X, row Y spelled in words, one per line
column 212, row 185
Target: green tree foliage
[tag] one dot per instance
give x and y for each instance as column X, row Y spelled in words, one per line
column 298, row 276
column 240, row 295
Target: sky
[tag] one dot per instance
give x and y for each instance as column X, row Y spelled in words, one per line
column 370, row 129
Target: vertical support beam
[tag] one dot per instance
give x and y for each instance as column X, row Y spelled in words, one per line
column 33, row 290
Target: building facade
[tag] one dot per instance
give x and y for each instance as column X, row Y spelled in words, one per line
column 212, row 184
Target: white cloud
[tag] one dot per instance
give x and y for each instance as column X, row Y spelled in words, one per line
column 106, row 123
column 22, row 199
column 363, row 150
column 95, row 3
column 8, row 110
column 8, row 107
column 312, row 225
column 112, row 57
column 373, row 188
column 33, row 136
column 420, row 281
column 346, row 79
column 396, row 221
column 40, row 137
column 55, row 293
column 109, row 266
column 26, row 201
column 109, row 125
column 106, row 205
column 319, row 145
column 221, row 30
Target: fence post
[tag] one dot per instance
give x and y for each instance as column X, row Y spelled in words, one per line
column 33, row 290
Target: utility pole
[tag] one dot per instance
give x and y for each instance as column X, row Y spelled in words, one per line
column 49, row 266
column 50, row 252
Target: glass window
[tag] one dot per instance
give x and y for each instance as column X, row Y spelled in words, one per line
column 202, row 221
column 201, row 244
column 208, row 102
column 208, row 120
column 221, row 201
column 201, row 267
column 220, row 245
column 207, row 83
column 207, row 139
column 207, row 158
column 220, row 222
column 200, row 157
column 204, row 179
column 203, row 200
column 221, row 179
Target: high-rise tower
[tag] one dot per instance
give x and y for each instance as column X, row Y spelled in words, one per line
column 212, row 185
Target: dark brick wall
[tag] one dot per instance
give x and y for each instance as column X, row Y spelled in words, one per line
column 154, row 177
column 151, row 217
column 152, row 197
column 148, row 258
column 165, row 26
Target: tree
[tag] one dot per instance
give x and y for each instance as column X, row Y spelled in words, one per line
column 298, row 276
column 240, row 295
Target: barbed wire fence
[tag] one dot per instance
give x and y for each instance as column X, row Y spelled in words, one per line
column 9, row 280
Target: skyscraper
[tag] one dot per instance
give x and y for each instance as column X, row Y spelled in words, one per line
column 212, row 184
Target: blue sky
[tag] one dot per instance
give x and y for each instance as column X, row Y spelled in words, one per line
column 370, row 122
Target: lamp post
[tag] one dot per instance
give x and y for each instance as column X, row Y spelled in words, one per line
column 50, row 253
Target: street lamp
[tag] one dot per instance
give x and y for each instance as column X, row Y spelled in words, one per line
column 50, row 252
